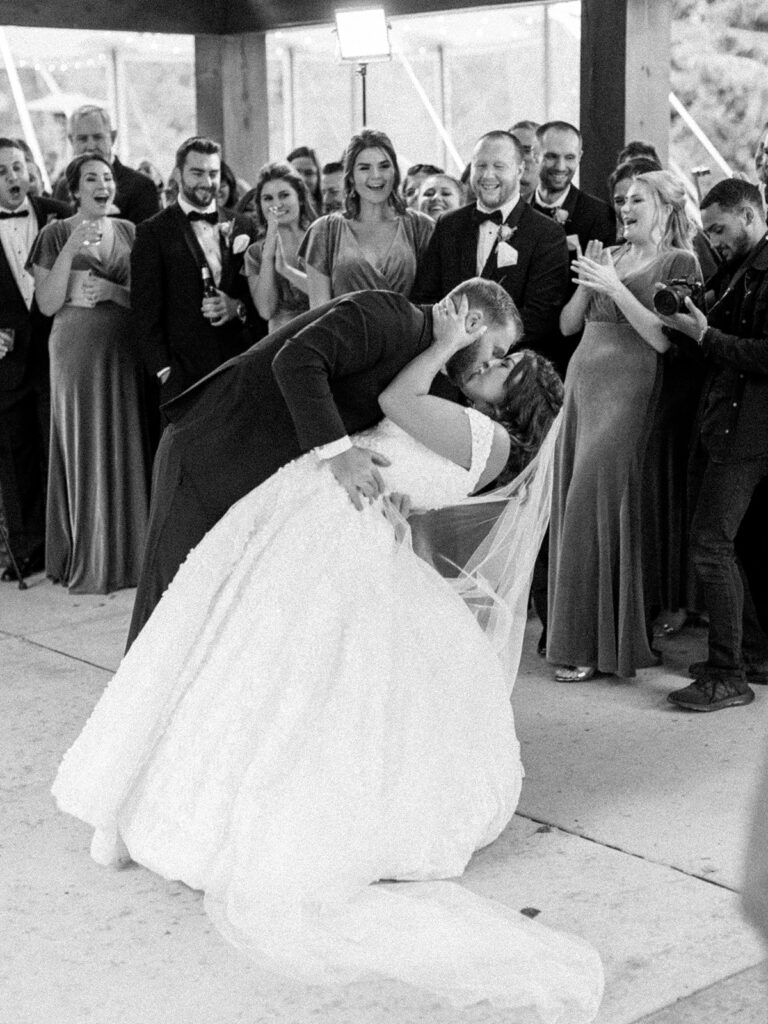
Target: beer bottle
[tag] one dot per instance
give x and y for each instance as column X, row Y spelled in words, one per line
column 209, row 288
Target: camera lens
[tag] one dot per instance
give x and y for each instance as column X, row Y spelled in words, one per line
column 666, row 301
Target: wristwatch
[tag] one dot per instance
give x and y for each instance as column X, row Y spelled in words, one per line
column 241, row 311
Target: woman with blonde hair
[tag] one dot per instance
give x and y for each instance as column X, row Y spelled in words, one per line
column 598, row 616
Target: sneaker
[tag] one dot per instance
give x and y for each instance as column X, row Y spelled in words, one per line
column 712, row 693
column 757, row 675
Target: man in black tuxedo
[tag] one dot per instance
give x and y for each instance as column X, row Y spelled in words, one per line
column 306, row 386
column 582, row 216
column 502, row 239
column 24, row 385
column 91, row 131
column 181, row 334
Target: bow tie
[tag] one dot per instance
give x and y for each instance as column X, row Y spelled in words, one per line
column 209, row 218
column 480, row 216
column 18, row 213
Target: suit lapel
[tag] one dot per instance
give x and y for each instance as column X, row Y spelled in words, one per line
column 467, row 247
column 572, row 201
column 491, row 270
column 225, row 250
column 195, row 249
column 8, row 283
column 9, row 289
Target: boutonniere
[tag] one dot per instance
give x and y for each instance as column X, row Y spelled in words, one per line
column 506, row 232
column 240, row 244
column 506, row 255
column 225, row 229
column 561, row 216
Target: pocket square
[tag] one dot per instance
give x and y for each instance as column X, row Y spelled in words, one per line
column 506, row 255
column 240, row 244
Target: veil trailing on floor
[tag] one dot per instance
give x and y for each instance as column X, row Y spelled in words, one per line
column 488, row 545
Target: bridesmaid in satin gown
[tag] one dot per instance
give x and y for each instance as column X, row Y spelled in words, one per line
column 100, row 462
column 598, row 615
column 375, row 242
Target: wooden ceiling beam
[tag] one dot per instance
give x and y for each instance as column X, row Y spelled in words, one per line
column 199, row 17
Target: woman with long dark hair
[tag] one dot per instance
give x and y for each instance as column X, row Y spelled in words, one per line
column 99, row 471
column 376, row 242
column 282, row 212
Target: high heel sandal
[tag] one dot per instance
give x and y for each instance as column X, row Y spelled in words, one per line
column 574, row 673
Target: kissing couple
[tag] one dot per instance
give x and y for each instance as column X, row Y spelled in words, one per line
column 311, row 709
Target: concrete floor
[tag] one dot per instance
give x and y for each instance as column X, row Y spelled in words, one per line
column 629, row 832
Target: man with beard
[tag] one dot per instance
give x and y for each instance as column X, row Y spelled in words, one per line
column 730, row 458
column 582, row 216
column 182, row 334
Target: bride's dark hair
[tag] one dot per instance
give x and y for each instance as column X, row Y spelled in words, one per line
column 533, row 395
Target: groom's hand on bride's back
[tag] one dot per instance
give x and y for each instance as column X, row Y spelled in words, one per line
column 355, row 469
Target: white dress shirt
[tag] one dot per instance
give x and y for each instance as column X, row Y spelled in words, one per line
column 488, row 232
column 551, row 206
column 17, row 235
column 208, row 235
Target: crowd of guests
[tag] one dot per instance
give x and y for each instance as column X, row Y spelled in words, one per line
column 121, row 291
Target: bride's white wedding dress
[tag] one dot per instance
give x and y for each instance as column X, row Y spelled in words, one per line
column 311, row 709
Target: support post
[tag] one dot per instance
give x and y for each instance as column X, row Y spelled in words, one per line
column 625, row 56
column 232, row 97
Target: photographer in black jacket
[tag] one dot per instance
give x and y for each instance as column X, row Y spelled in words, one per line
column 730, row 449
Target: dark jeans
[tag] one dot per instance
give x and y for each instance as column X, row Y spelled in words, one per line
column 720, row 496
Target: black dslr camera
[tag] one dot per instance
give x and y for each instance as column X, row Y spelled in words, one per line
column 671, row 298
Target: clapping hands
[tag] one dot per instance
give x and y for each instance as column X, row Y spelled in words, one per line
column 595, row 270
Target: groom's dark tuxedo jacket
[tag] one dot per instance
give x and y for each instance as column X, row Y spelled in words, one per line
column 311, row 382
column 538, row 281
column 167, row 292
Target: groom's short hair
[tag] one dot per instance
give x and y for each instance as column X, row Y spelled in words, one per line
column 497, row 305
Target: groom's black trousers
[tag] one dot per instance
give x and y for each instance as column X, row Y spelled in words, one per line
column 177, row 523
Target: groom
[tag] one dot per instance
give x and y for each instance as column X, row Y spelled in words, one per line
column 306, row 386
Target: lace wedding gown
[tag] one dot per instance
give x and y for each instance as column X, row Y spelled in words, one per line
column 310, row 710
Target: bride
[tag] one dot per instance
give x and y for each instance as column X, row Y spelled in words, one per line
column 312, row 709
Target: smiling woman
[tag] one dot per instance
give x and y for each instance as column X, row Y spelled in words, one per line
column 602, row 560
column 98, row 484
column 283, row 212
column 376, row 242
